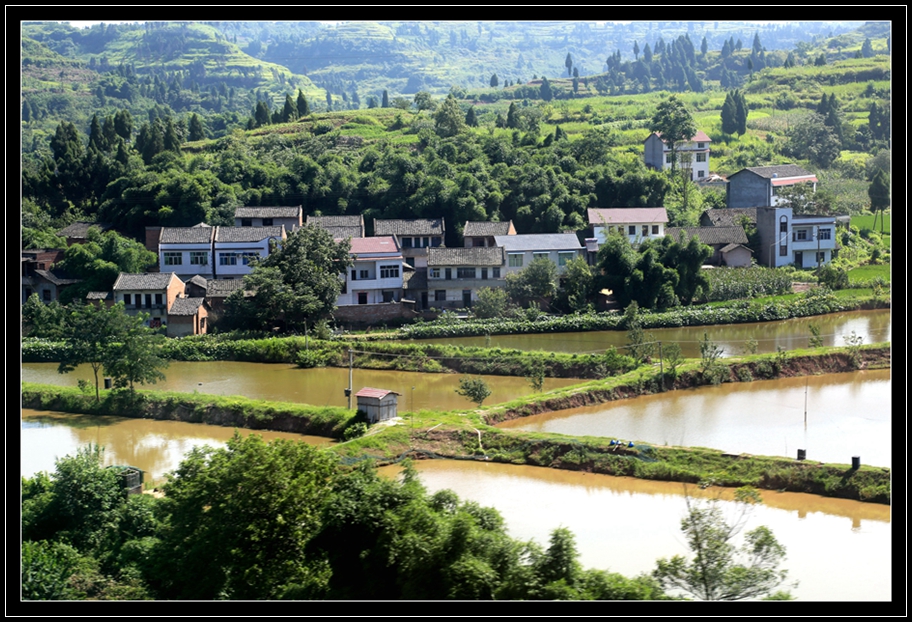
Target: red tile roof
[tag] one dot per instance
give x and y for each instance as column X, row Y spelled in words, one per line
column 699, row 137
column 371, row 392
column 385, row 244
column 624, row 215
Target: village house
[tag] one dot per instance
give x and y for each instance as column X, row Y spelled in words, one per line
column 290, row 217
column 377, row 273
column 78, row 232
column 521, row 250
column 477, row 233
column 635, row 223
column 729, row 217
column 414, row 237
column 757, row 186
column 340, row 227
column 187, row 316
column 692, row 154
column 39, row 277
column 456, row 274
column 150, row 292
column 802, row 241
column 235, row 247
column 729, row 244
column 187, row 251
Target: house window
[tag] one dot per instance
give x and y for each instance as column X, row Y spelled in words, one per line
column 824, row 234
column 540, row 256
column 448, row 273
column 387, row 296
column 354, row 275
column 631, row 230
column 645, row 231
column 783, row 251
column 425, row 242
column 478, row 242
column 563, row 258
column 362, row 298
column 515, row 260
column 701, row 157
column 128, row 300
column 439, row 295
column 783, row 224
column 435, row 273
column 148, row 301
column 436, row 241
column 228, row 259
column 700, row 146
column 364, row 275
column 245, row 222
column 667, row 158
column 495, row 273
column 267, row 222
column 701, row 173
column 465, row 273
column 406, row 242
column 199, row 258
column 172, row 259
column 655, row 229
column 389, row 272
column 158, row 299
column 484, row 274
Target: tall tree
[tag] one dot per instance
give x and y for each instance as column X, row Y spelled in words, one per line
column 742, row 112
column 494, row 81
column 385, row 101
column 513, row 120
column 568, row 63
column 879, row 194
column 92, row 328
column 636, row 51
column 135, row 356
column 867, row 50
column 470, row 118
column 289, row 110
column 301, row 105
column 448, row 119
column 196, row 128
column 729, row 114
column 675, row 125
column 545, row 90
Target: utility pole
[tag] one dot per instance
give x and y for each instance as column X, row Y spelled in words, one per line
column 661, row 366
column 351, row 365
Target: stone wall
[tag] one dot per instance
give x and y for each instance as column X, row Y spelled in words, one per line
column 375, row 314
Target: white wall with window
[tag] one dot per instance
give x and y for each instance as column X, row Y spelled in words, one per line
column 186, row 259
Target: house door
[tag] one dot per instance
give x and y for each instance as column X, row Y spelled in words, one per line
column 799, row 259
column 467, row 298
column 424, row 300
column 362, row 298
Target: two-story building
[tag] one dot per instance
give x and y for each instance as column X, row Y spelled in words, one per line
column 340, row 227
column 151, row 292
column 377, row 273
column 414, row 236
column 757, row 186
column 635, row 223
column 455, row 275
column 289, row 217
column 692, row 154
column 521, row 250
column 803, row 241
column 478, row 233
column 236, row 247
column 38, row 276
column 187, row 251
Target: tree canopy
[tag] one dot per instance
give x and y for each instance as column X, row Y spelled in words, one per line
column 675, row 124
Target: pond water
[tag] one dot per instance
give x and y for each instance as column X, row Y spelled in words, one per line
column 837, row 549
column 848, row 415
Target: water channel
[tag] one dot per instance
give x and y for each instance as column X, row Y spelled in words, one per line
column 847, row 415
column 321, row 386
column 872, row 326
column 837, row 549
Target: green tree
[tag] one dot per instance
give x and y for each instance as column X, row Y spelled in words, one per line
column 675, row 125
column 239, row 519
column 545, row 90
column 289, row 110
column 492, row 302
column 494, row 81
column 92, row 330
column 425, row 101
column 136, row 356
column 449, row 119
column 867, row 50
column 879, row 194
column 640, row 345
column 742, row 112
column 811, row 139
column 513, row 120
column 99, row 261
column 536, row 375
column 385, row 100
column 196, row 128
column 301, row 105
column 46, row 570
column 636, row 50
column 719, row 570
column 536, row 283
column 474, row 389
column 470, row 118
column 568, row 63
column 45, row 321
column 576, row 285
column 729, row 114
column 296, row 285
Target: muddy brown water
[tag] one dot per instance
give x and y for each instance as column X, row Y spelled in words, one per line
column 848, row 415
column 871, row 326
column 837, row 549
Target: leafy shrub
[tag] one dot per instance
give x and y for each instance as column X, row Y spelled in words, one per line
column 308, row 359
column 356, row 430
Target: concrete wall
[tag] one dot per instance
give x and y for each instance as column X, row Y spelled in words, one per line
column 370, row 315
column 747, row 189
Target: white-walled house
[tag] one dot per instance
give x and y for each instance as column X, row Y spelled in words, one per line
column 186, row 251
column 414, row 236
column 152, row 293
column 521, row 250
column 693, row 154
column 635, row 223
column 376, row 275
column 455, row 275
column 235, row 247
column 786, row 239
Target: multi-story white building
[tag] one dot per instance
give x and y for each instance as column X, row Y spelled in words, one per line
column 186, row 251
column 692, row 154
column 635, row 223
column 521, row 250
column 236, row 247
column 290, row 217
column 415, row 236
column 455, row 275
column 786, row 239
column 376, row 275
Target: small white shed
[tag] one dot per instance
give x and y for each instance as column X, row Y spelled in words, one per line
column 378, row 404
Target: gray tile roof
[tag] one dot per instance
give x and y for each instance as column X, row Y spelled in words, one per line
column 474, row 228
column 267, row 212
column 145, row 281
column 336, row 221
column 219, row 288
column 99, row 296
column 459, row 256
column 185, row 306
column 57, row 277
column 727, row 216
column 342, row 233
column 731, row 247
column 415, row 279
column 782, row 170
column 187, row 235
column 417, row 226
column 248, row 234
column 539, row 242
column 197, row 280
column 80, row 229
column 710, row 235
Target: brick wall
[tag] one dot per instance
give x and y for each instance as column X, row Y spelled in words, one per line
column 371, row 315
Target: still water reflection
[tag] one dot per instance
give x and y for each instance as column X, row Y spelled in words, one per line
column 837, row 549
column 847, row 415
